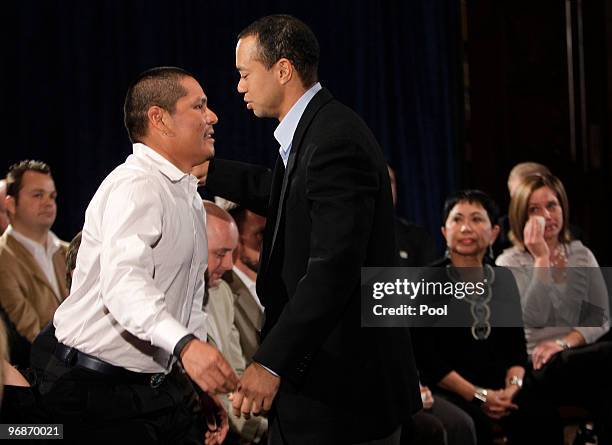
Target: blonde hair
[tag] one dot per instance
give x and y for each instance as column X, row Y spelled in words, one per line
column 519, row 206
column 524, row 169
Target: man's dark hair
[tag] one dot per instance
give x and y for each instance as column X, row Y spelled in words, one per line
column 160, row 87
column 14, row 177
column 71, row 256
column 473, row 197
column 285, row 36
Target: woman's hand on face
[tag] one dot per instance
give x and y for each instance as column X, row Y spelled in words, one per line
column 533, row 237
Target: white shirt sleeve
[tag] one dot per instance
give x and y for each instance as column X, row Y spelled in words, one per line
column 131, row 224
column 198, row 320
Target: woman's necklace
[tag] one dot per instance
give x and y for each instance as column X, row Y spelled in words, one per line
column 479, row 304
column 558, row 263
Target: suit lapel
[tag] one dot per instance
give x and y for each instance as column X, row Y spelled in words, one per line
column 277, row 180
column 245, row 302
column 319, row 99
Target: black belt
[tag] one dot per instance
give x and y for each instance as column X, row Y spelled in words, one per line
column 73, row 357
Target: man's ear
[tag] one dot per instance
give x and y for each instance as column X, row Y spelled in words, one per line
column 158, row 119
column 285, row 70
column 11, row 205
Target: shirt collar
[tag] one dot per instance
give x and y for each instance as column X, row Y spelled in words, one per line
column 286, row 129
column 166, row 167
column 250, row 284
column 53, row 242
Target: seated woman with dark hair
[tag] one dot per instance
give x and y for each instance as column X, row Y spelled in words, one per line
column 481, row 367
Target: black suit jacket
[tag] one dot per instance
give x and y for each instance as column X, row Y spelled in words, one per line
column 329, row 213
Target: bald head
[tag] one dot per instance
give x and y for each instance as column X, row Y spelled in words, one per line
column 4, row 221
column 523, row 170
column 222, row 240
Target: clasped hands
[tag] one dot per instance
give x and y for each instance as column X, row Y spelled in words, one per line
column 255, row 392
column 499, row 403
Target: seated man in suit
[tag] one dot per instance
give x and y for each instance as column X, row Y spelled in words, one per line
column 242, row 278
column 415, row 245
column 223, row 308
column 32, row 257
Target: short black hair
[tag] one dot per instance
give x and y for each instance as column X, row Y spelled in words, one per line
column 160, row 87
column 71, row 256
column 473, row 197
column 14, row 177
column 285, row 36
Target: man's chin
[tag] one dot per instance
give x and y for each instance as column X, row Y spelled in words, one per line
column 46, row 223
column 209, row 153
column 254, row 266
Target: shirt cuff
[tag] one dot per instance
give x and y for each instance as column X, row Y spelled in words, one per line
column 167, row 334
column 268, row 369
column 178, row 349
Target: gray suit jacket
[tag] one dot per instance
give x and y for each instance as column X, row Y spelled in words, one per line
column 223, row 316
column 248, row 317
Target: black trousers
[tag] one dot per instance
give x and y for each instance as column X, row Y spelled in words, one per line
column 97, row 408
column 579, row 376
column 536, row 422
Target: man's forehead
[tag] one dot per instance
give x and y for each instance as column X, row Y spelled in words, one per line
column 34, row 179
column 193, row 87
column 246, row 49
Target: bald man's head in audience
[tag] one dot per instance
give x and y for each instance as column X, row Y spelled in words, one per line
column 523, row 170
column 222, row 240
column 4, row 221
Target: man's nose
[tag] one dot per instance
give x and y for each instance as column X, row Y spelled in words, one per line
column 240, row 86
column 211, row 117
column 48, row 201
column 228, row 261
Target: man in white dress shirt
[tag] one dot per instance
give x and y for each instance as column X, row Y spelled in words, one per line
column 135, row 305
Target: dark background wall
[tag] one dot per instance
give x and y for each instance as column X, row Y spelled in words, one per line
column 540, row 77
column 66, row 69
column 455, row 91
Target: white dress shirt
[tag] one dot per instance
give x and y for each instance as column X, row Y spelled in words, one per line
column 43, row 255
column 138, row 285
column 286, row 128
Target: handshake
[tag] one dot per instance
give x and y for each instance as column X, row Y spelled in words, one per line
column 252, row 394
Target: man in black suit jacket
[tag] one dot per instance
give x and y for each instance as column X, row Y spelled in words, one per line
column 329, row 213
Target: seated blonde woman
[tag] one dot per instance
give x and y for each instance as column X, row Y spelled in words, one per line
column 563, row 295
